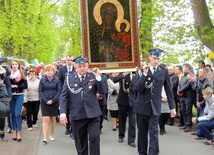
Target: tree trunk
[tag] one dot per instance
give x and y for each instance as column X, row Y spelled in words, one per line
column 203, row 23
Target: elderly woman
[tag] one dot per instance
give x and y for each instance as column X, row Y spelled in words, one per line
column 33, row 101
column 18, row 83
column 49, row 91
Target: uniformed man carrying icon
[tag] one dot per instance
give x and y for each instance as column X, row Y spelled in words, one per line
column 79, row 93
column 148, row 103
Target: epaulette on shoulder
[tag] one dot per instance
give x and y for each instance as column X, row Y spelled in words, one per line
column 162, row 65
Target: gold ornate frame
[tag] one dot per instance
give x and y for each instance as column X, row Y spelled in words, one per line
column 126, row 11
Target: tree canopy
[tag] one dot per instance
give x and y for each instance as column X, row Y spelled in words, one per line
column 51, row 29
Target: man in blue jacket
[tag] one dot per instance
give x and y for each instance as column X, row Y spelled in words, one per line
column 148, row 102
column 79, row 93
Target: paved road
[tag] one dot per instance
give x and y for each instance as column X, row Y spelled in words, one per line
column 175, row 142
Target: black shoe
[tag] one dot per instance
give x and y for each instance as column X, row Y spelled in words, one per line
column 207, row 143
column 1, row 134
column 57, row 119
column 105, row 117
column 71, row 136
column 180, row 125
column 199, row 138
column 132, row 144
column 114, row 129
column 19, row 140
column 187, row 129
column 161, row 133
column 170, row 123
column 183, row 128
column 120, row 140
column 67, row 132
column 14, row 139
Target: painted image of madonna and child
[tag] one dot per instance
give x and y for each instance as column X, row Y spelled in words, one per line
column 110, row 39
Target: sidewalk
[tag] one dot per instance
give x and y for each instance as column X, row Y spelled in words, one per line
column 28, row 145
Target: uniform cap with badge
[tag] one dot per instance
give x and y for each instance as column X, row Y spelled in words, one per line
column 81, row 60
column 156, row 53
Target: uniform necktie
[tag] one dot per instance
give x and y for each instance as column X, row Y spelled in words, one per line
column 154, row 70
column 82, row 78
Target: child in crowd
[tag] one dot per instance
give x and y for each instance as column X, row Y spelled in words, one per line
column 206, row 121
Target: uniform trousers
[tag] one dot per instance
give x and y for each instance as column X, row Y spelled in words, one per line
column 145, row 124
column 122, row 112
column 87, row 130
column 102, row 108
column 68, row 124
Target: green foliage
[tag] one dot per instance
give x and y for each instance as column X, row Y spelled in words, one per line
column 70, row 29
column 171, row 30
column 27, row 31
column 145, row 26
column 51, row 29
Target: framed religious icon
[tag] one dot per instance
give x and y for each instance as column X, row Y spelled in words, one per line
column 110, row 34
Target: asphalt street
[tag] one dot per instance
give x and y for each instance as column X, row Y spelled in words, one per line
column 174, row 142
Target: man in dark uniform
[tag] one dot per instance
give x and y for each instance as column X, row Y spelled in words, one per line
column 79, row 93
column 148, row 102
column 125, row 107
column 102, row 98
column 61, row 75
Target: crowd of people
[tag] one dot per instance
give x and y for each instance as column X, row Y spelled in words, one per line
column 82, row 98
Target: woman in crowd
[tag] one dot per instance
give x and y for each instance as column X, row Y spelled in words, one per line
column 49, row 91
column 33, row 101
column 112, row 106
column 165, row 112
column 18, row 84
column 42, row 73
